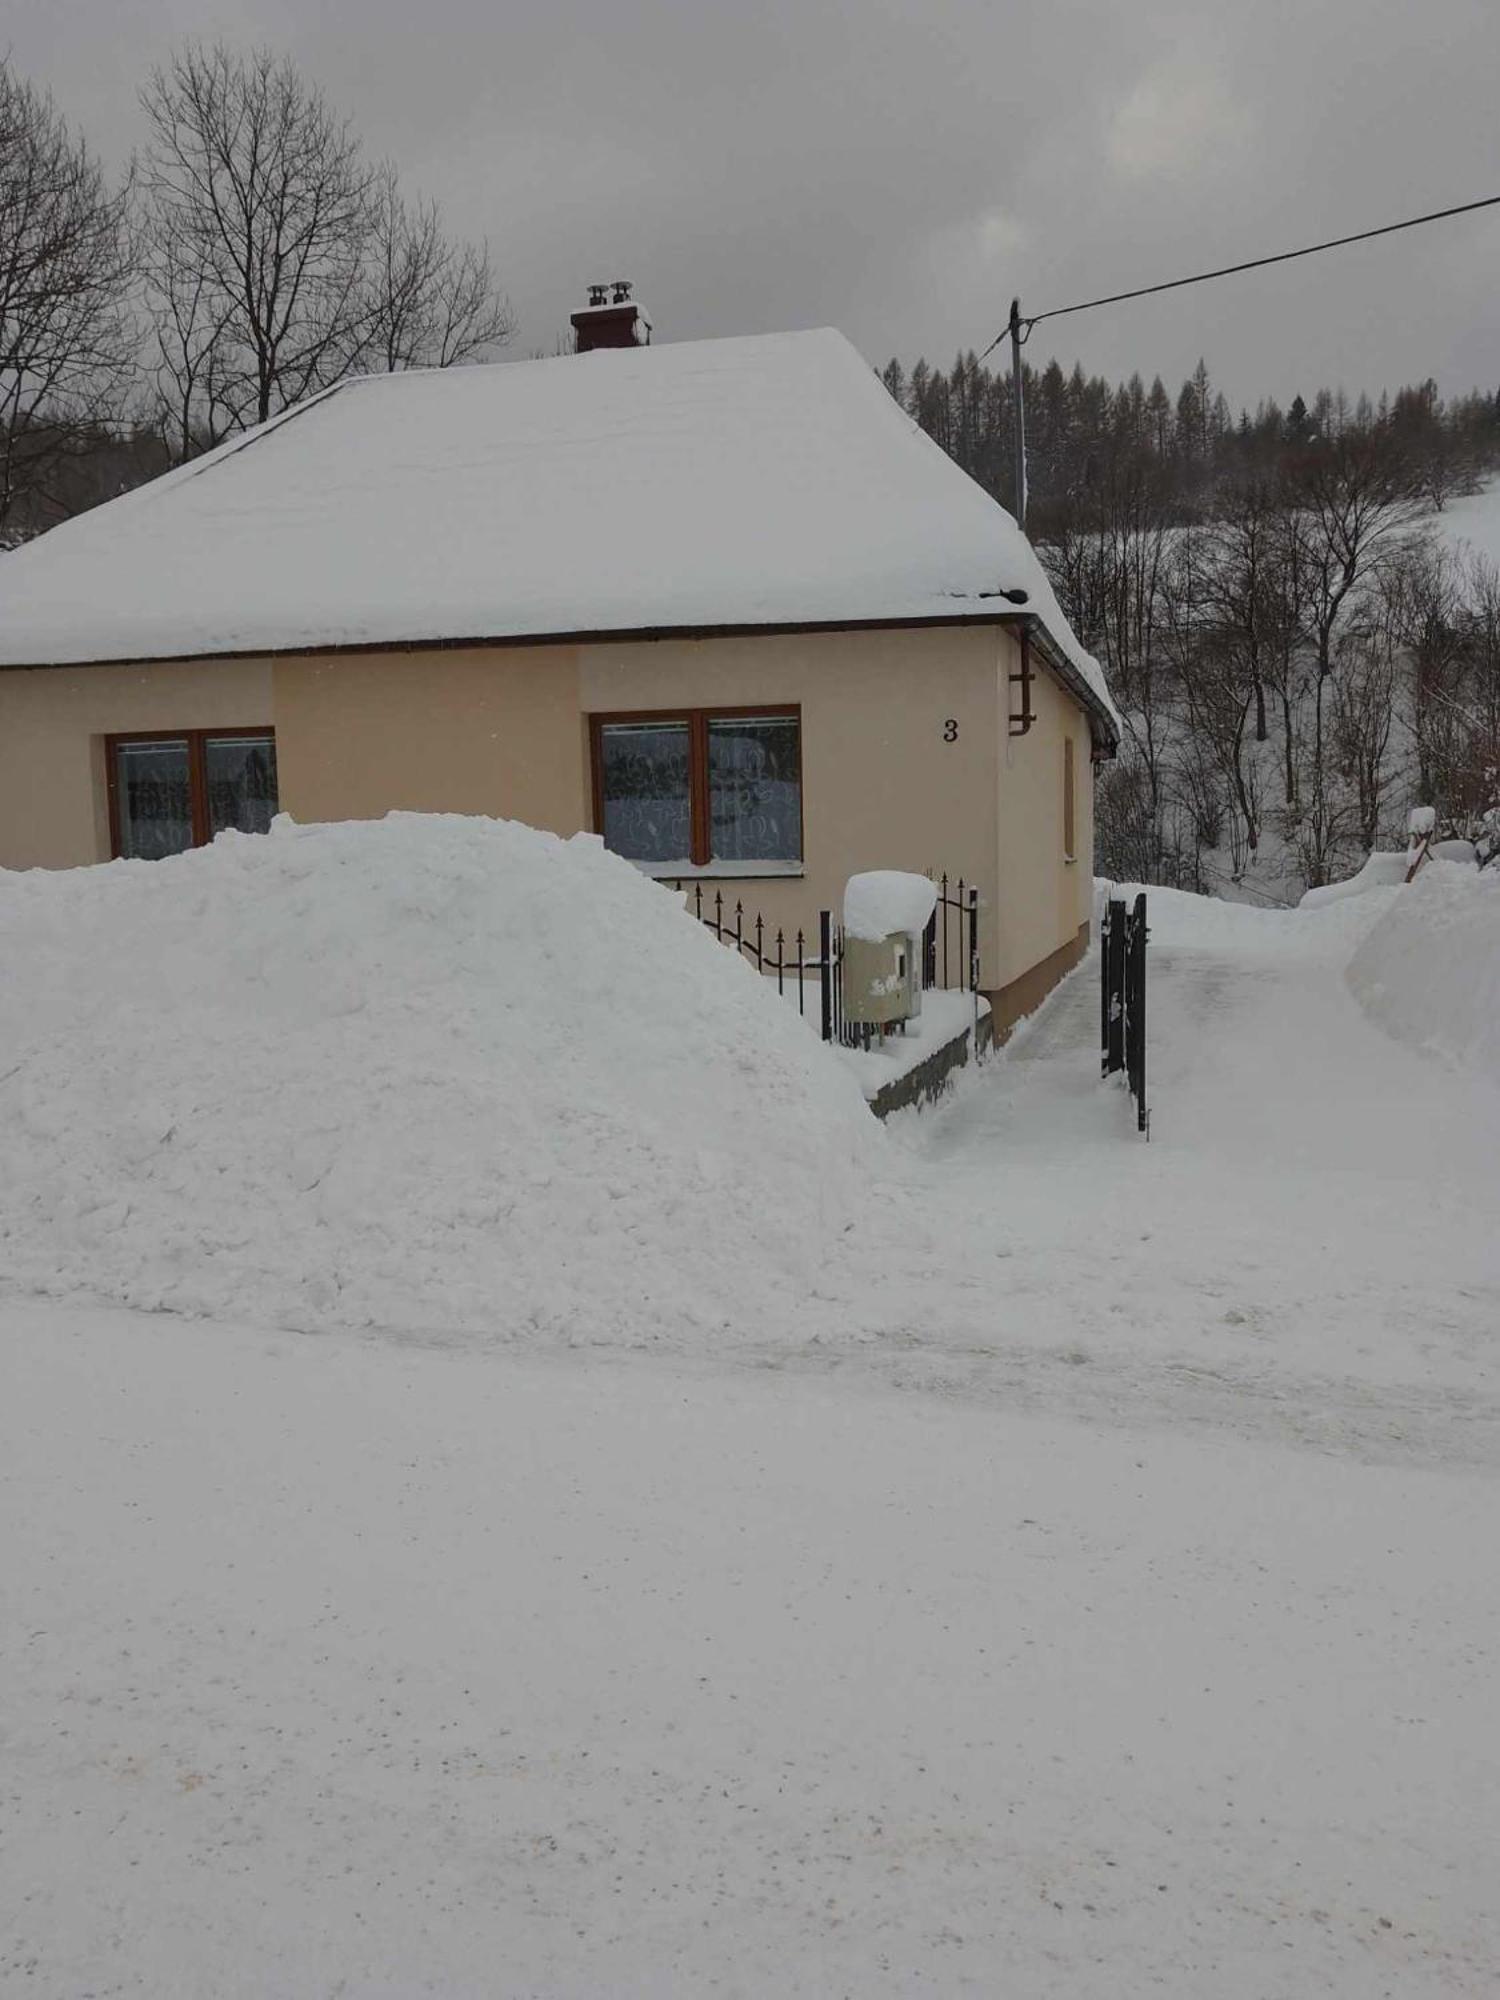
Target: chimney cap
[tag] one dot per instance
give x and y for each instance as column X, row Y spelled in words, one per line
column 613, row 317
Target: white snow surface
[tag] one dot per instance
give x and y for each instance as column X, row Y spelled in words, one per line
column 1430, row 972
column 762, row 480
column 883, row 901
column 947, row 1015
column 1380, row 871
column 1081, row 1584
column 1473, row 522
column 342, row 1667
column 425, row 1070
column 467, row 1080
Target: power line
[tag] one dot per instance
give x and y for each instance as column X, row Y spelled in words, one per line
column 1253, row 264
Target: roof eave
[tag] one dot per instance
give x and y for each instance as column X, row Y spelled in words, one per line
column 581, row 636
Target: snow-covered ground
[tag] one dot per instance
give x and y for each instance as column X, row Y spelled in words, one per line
column 345, row 1667
column 1474, row 521
column 1080, row 1582
column 946, row 1016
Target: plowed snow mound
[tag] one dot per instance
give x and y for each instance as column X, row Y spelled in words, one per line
column 431, row 1073
column 1429, row 970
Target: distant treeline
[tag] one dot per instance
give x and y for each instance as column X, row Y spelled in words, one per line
column 1081, row 433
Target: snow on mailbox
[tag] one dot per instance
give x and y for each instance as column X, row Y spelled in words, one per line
column 885, row 914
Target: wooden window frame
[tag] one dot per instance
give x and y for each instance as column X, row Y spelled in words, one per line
column 196, row 741
column 699, row 805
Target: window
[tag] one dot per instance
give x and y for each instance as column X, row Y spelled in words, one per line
column 1070, row 824
column 709, row 788
column 173, row 791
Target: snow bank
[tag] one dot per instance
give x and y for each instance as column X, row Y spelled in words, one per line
column 434, row 1073
column 1381, row 871
column 1178, row 917
column 1429, row 971
column 885, row 900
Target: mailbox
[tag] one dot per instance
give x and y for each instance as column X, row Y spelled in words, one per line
column 882, row 979
column 885, row 914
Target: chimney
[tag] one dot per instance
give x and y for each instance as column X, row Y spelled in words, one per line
column 612, row 318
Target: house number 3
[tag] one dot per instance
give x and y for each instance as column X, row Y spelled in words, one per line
column 950, row 730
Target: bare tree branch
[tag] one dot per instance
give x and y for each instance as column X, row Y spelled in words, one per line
column 66, row 340
column 278, row 259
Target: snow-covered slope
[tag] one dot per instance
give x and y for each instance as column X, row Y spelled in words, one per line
column 1474, row 522
column 721, row 482
column 431, row 1072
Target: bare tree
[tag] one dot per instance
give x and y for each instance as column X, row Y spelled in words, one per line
column 1351, row 504
column 259, row 218
column 1458, row 721
column 66, row 343
column 1364, row 714
column 278, row 260
column 430, row 302
column 1219, row 698
column 1113, row 571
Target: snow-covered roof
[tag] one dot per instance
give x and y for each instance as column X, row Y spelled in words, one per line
column 768, row 480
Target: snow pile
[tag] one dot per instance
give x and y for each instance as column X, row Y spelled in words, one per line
column 435, row 1073
column 1381, row 871
column 1464, row 852
column 1185, row 918
column 1429, row 971
column 884, row 901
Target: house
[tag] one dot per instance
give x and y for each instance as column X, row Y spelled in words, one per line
column 720, row 602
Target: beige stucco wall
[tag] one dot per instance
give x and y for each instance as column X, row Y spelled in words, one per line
column 505, row 731
column 1043, row 896
column 54, row 810
column 483, row 730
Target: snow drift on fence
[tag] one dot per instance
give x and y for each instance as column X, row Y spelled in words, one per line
column 446, row 1074
column 1380, row 871
column 1429, row 970
column 884, row 900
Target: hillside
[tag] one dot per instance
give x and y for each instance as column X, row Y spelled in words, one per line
column 1473, row 521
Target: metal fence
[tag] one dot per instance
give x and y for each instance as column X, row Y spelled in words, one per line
column 1122, row 999
column 950, row 952
column 783, row 958
column 960, row 901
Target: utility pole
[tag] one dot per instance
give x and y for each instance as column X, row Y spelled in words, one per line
column 1019, row 400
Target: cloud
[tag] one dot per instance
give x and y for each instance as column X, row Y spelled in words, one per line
column 904, row 168
column 1179, row 117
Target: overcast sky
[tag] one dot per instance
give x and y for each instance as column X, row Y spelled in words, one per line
column 900, row 168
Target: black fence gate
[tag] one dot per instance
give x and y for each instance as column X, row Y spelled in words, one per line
column 1122, row 999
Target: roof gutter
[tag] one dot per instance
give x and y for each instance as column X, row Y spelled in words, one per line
column 1102, row 729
